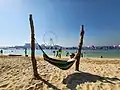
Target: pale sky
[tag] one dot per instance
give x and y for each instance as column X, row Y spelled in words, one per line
column 101, row 19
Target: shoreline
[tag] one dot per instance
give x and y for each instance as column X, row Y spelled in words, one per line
column 63, row 57
column 86, row 54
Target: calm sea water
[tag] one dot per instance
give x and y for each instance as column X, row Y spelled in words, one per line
column 86, row 53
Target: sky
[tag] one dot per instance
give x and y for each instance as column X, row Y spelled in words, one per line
column 60, row 20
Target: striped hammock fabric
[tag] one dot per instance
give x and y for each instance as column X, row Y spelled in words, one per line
column 62, row 64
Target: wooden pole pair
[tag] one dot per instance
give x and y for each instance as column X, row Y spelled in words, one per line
column 34, row 63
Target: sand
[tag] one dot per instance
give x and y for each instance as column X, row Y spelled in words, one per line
column 95, row 74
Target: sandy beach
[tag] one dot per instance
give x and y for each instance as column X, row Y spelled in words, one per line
column 95, row 74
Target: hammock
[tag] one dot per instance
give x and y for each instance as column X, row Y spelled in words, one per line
column 62, row 64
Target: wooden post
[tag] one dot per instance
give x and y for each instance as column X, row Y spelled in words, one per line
column 79, row 49
column 34, row 63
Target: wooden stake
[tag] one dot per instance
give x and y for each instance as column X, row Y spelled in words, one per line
column 34, row 63
column 79, row 49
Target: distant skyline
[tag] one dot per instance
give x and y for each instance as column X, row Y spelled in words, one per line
column 101, row 19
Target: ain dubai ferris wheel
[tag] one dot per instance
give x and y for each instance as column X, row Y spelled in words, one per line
column 50, row 39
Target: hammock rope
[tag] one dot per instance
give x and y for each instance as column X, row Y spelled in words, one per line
column 62, row 64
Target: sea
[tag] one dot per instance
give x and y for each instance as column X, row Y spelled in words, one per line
column 86, row 53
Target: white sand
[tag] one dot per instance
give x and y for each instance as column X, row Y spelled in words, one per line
column 96, row 74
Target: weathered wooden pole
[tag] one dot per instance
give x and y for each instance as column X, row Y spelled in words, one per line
column 34, row 63
column 79, row 48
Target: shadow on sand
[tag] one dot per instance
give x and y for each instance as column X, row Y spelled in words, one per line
column 78, row 78
column 47, row 83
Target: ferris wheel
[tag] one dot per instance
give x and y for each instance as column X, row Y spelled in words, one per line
column 50, row 38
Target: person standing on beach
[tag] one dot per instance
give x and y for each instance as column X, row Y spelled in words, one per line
column 54, row 53
column 26, row 52
column 1, row 51
column 59, row 53
column 67, row 53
